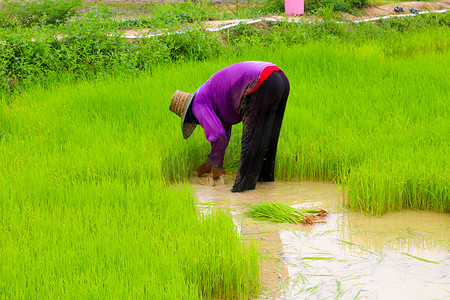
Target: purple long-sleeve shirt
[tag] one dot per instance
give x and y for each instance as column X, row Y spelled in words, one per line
column 216, row 103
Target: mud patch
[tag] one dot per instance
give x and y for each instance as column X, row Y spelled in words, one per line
column 403, row 255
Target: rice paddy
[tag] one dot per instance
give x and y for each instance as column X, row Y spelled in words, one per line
column 401, row 255
column 86, row 168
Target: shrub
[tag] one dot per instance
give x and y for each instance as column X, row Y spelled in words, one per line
column 186, row 12
column 6, row 19
column 191, row 44
column 358, row 3
column 273, row 6
column 335, row 5
column 42, row 11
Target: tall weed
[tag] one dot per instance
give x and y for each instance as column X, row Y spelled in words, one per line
column 41, row 12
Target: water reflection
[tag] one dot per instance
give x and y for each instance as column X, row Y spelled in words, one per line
column 404, row 255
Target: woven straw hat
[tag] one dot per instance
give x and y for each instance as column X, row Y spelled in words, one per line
column 179, row 105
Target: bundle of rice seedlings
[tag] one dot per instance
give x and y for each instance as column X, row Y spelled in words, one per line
column 282, row 213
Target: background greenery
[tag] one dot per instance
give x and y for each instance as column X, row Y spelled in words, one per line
column 94, row 45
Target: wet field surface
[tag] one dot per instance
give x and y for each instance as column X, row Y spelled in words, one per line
column 402, row 255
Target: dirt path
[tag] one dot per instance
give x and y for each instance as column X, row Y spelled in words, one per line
column 366, row 13
column 388, row 9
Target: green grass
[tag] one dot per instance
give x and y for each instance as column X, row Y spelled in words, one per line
column 86, row 168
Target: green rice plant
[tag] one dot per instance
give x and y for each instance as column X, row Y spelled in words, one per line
column 87, row 211
column 419, row 258
column 380, row 129
column 282, row 213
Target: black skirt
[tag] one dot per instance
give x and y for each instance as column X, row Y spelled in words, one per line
column 262, row 115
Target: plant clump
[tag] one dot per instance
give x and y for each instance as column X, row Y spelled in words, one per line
column 29, row 13
column 282, row 213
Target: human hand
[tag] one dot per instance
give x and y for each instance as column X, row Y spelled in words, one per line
column 217, row 172
column 204, row 169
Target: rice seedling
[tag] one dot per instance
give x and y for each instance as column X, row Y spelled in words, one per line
column 419, row 258
column 356, row 245
column 283, row 213
column 318, row 258
column 87, row 211
column 87, row 203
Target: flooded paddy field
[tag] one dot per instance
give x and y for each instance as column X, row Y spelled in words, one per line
column 401, row 255
column 87, row 168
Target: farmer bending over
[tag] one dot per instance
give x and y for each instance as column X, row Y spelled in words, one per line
column 253, row 92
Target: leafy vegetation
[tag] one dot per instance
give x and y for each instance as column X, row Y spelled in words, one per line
column 93, row 45
column 350, row 6
column 29, row 13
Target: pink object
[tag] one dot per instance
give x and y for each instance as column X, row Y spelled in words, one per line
column 294, row 7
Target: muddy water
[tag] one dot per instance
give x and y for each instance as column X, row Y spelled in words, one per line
column 403, row 255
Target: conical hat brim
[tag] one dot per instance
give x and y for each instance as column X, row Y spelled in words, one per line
column 187, row 128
